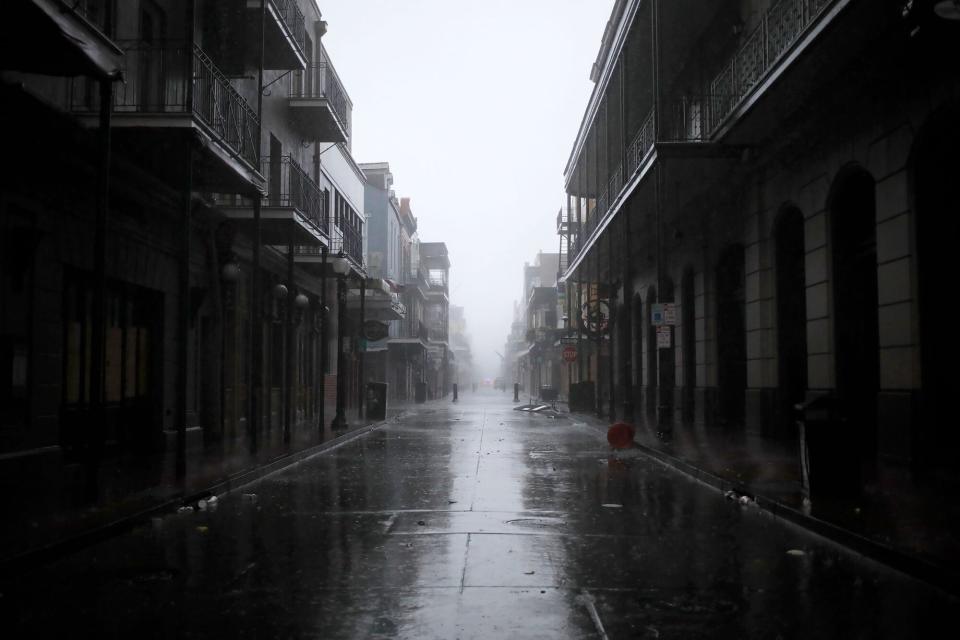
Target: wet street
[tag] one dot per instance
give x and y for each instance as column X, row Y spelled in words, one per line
column 472, row 520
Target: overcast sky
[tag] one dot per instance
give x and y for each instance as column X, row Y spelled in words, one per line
column 475, row 105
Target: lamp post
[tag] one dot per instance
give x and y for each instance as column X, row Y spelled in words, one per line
column 341, row 268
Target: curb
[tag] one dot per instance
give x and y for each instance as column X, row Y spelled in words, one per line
column 56, row 550
column 891, row 557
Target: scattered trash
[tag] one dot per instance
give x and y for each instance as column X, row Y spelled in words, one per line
column 203, row 529
column 796, row 552
column 529, row 573
column 543, row 591
column 207, row 503
column 421, row 523
column 745, row 500
column 612, row 505
column 185, row 509
column 451, row 502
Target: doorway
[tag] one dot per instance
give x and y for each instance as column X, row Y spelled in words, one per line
column 731, row 336
column 856, row 329
column 790, row 278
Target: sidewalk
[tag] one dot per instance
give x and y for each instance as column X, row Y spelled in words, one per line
column 31, row 536
column 912, row 526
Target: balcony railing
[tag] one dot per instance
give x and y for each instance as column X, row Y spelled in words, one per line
column 439, row 332
column 169, row 78
column 290, row 13
column 641, row 145
column 288, row 185
column 349, row 242
column 321, row 82
column 781, row 26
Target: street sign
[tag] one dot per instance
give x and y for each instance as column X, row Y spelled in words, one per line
column 569, row 353
column 663, row 313
column 664, row 335
column 669, row 313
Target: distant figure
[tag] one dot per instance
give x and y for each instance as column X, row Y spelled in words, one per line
column 454, row 391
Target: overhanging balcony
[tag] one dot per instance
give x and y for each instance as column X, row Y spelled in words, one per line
column 293, row 211
column 319, row 106
column 284, row 34
column 65, row 40
column 173, row 87
column 347, row 241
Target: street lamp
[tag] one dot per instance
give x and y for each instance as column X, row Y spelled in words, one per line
column 340, row 267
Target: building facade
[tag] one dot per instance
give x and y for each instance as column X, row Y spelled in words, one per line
column 175, row 275
column 744, row 165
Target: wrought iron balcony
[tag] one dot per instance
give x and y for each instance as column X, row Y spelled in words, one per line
column 781, row 26
column 284, row 33
column 319, row 103
column 289, row 187
column 168, row 80
column 294, row 209
column 347, row 241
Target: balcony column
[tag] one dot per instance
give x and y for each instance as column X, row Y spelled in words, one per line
column 339, row 420
column 598, row 333
column 256, row 333
column 610, row 320
column 97, row 414
column 290, row 370
column 580, row 270
column 183, row 320
column 362, row 342
column 324, row 337
column 628, row 407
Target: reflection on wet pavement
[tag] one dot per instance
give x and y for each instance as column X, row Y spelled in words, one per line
column 472, row 521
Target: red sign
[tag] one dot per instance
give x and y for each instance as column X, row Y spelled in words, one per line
column 569, row 353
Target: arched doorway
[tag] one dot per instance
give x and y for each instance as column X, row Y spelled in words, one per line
column 651, row 368
column 790, row 278
column 688, row 341
column 935, row 170
column 731, row 336
column 856, row 330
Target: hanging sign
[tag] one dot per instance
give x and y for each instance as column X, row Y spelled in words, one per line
column 374, row 330
column 664, row 337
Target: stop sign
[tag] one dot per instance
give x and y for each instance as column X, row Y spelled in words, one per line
column 569, row 353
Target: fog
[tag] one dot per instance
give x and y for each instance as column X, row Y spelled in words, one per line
column 465, row 101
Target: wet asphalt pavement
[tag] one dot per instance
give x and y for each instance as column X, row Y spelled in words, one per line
column 472, row 520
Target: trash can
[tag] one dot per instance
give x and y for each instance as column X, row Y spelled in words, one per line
column 420, row 394
column 548, row 394
column 829, row 462
column 581, row 396
column 376, row 400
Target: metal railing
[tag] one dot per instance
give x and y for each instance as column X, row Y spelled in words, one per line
column 349, row 242
column 292, row 17
column 288, row 185
column 641, row 145
column 321, row 82
column 175, row 77
column 780, row 27
column 439, row 332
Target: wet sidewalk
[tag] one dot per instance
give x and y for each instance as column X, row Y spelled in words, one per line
column 134, row 488
column 471, row 520
column 909, row 523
